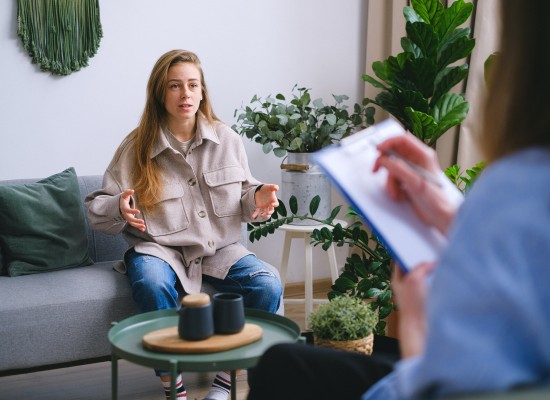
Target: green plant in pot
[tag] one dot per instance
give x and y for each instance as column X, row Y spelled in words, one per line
column 296, row 128
column 345, row 323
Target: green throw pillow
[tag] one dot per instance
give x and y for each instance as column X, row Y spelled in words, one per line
column 42, row 226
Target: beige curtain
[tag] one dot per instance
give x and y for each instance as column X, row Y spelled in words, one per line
column 386, row 26
column 486, row 34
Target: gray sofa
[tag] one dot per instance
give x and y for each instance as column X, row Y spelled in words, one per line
column 61, row 318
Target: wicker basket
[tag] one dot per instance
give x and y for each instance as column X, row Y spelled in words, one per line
column 363, row 345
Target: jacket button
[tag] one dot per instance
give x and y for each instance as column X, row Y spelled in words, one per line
column 192, row 182
column 210, row 243
column 202, row 214
column 198, row 260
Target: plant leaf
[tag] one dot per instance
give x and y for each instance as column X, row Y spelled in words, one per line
column 334, row 212
column 283, row 119
column 423, row 35
column 422, row 71
column 408, row 46
column 447, row 79
column 293, row 203
column 331, row 119
column 451, row 110
column 281, row 209
column 411, row 15
column 267, row 147
column 453, row 17
column 373, row 82
column 488, row 64
column 429, row 10
column 460, row 48
column 388, row 70
column 279, row 152
column 314, row 204
column 421, row 125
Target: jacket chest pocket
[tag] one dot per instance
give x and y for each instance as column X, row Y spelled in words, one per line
column 168, row 216
column 225, row 186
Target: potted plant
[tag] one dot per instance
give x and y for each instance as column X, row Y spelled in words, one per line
column 345, row 323
column 296, row 128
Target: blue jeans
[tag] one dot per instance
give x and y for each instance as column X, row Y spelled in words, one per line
column 155, row 284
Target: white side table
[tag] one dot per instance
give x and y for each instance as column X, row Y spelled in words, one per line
column 304, row 232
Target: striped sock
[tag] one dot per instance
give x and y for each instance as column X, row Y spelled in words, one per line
column 220, row 387
column 181, row 393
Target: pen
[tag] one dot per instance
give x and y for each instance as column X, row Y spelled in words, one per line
column 428, row 176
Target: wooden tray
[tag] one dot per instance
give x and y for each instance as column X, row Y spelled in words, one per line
column 167, row 340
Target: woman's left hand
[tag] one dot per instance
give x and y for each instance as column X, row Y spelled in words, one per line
column 410, row 295
column 266, row 201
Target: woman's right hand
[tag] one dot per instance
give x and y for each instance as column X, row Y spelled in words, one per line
column 405, row 184
column 128, row 212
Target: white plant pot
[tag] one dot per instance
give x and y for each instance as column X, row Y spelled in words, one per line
column 305, row 180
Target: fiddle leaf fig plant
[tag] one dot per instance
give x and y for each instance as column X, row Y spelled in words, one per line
column 416, row 83
column 301, row 124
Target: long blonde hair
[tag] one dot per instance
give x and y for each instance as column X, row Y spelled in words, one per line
column 146, row 173
column 517, row 113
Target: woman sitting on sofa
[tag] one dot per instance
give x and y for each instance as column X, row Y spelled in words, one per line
column 179, row 187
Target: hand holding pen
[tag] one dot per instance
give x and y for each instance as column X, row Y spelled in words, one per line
column 414, row 176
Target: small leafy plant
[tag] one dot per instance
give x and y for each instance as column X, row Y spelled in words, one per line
column 301, row 125
column 343, row 318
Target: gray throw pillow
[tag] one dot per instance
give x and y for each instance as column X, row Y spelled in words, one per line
column 42, row 226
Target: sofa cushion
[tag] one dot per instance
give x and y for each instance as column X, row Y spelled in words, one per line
column 42, row 225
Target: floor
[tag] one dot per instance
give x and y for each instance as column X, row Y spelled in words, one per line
column 93, row 381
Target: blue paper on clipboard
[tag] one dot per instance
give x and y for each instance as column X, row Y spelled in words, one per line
column 349, row 165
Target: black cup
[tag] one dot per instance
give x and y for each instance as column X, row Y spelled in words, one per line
column 196, row 318
column 228, row 313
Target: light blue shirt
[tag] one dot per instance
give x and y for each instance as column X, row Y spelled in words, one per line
column 489, row 301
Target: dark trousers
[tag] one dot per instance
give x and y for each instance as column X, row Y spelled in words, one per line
column 298, row 371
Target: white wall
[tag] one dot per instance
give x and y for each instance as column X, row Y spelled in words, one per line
column 247, row 47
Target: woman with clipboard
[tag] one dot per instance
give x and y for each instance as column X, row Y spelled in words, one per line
column 476, row 320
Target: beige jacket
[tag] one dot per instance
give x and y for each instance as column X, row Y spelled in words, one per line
column 196, row 227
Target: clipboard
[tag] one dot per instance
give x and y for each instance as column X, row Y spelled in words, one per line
column 349, row 167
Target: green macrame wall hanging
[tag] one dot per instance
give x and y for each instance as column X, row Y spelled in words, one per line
column 59, row 35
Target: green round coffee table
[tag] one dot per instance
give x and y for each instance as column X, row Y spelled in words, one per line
column 126, row 342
